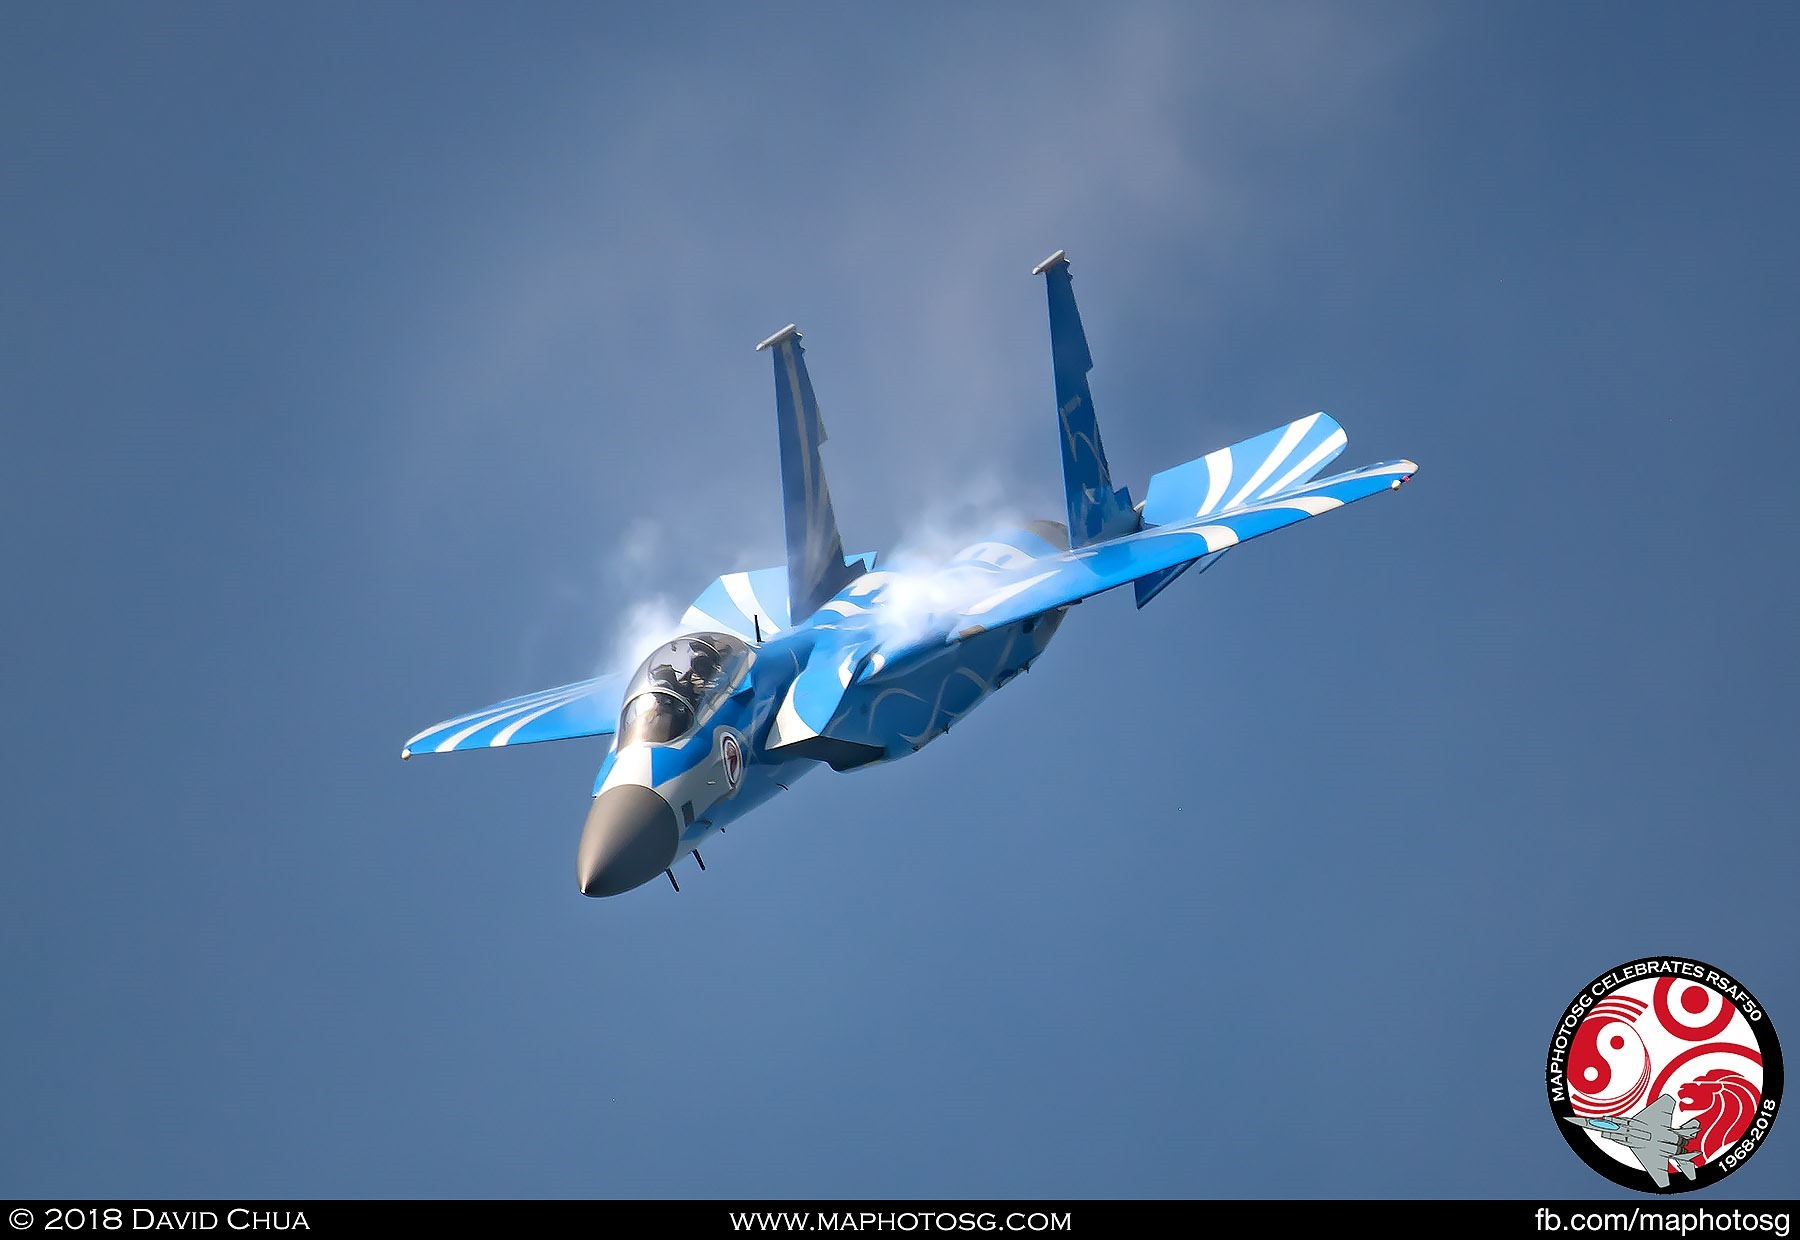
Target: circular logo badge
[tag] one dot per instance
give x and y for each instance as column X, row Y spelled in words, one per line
column 732, row 754
column 1664, row 1075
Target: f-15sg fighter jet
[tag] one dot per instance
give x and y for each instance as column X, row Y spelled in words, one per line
column 831, row 661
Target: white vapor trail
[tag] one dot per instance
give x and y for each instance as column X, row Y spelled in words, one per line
column 924, row 585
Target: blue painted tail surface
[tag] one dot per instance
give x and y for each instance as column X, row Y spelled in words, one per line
column 1247, row 472
column 1097, row 512
column 815, row 552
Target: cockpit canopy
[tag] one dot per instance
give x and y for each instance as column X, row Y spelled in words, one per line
column 679, row 684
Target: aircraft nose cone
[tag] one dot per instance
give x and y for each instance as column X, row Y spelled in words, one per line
column 631, row 837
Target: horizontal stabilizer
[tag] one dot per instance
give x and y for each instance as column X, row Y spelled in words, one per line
column 1147, row 588
column 1254, row 469
column 585, row 708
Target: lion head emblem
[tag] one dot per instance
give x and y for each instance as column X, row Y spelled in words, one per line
column 1726, row 1102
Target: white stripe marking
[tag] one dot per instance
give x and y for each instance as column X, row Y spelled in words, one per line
column 1218, row 537
column 498, row 716
column 1218, row 477
column 789, row 726
column 693, row 618
column 1296, row 431
column 737, row 588
column 505, row 737
column 1000, row 596
column 1312, row 505
column 1332, row 443
column 500, row 708
column 631, row 765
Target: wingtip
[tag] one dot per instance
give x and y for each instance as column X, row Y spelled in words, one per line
column 1060, row 256
column 789, row 331
column 405, row 754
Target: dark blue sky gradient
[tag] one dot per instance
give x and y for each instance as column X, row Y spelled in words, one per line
column 364, row 365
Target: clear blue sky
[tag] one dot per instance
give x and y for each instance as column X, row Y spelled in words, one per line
column 347, row 351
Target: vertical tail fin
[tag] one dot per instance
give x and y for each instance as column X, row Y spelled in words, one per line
column 1096, row 511
column 815, row 552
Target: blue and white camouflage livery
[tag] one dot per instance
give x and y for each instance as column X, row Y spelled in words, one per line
column 829, row 660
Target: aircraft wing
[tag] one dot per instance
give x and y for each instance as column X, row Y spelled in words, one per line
column 1655, row 1164
column 585, row 708
column 1654, row 1157
column 1074, row 575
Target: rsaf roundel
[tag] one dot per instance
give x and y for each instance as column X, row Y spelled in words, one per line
column 733, row 756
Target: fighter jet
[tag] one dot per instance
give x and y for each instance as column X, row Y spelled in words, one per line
column 831, row 661
column 1649, row 1138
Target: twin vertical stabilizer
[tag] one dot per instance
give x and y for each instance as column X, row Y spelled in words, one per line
column 816, row 570
column 815, row 552
column 1097, row 512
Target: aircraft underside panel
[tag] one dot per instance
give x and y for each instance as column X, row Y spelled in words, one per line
column 1149, row 586
column 900, row 713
